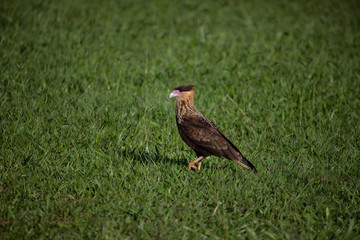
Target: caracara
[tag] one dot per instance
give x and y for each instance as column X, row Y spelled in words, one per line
column 201, row 134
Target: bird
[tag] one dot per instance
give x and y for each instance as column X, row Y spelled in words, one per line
column 201, row 134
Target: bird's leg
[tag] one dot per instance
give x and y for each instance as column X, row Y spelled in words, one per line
column 199, row 165
column 192, row 164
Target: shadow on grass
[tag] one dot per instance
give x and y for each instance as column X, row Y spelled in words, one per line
column 149, row 158
column 154, row 157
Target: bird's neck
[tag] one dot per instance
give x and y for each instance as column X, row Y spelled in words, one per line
column 184, row 105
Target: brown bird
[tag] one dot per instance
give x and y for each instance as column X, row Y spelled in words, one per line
column 201, row 134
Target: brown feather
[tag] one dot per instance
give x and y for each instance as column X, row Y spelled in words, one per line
column 185, row 88
column 201, row 134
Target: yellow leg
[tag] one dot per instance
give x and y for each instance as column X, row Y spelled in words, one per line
column 192, row 164
column 199, row 165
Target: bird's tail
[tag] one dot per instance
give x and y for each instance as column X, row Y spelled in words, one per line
column 234, row 154
column 246, row 164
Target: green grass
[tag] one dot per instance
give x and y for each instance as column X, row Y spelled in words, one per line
column 89, row 145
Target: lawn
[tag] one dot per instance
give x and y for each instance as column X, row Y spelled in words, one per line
column 89, row 147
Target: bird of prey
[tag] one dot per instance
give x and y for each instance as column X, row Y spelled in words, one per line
column 201, row 134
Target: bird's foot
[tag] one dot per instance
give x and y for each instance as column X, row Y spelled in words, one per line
column 193, row 166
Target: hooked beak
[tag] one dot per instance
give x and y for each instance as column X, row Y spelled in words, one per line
column 175, row 93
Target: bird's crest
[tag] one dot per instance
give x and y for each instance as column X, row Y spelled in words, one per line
column 185, row 88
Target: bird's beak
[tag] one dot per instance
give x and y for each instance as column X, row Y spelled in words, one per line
column 175, row 93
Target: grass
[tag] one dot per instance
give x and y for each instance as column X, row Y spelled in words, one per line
column 89, row 145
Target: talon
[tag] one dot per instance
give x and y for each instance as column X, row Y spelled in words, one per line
column 192, row 166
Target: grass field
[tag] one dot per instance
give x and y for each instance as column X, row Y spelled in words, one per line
column 90, row 148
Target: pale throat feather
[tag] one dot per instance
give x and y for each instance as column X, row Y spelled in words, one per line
column 184, row 106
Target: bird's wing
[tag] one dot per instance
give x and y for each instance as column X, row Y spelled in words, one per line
column 207, row 137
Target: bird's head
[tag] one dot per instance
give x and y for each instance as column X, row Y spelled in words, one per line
column 183, row 92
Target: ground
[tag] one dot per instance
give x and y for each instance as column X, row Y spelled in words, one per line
column 89, row 146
